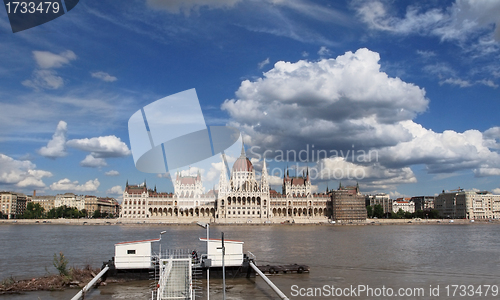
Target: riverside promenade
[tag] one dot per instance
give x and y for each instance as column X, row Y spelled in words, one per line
column 180, row 221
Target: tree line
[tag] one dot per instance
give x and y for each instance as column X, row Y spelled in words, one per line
column 36, row 211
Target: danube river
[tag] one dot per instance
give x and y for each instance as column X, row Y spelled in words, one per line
column 408, row 261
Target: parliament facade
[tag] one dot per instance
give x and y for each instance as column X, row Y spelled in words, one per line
column 242, row 198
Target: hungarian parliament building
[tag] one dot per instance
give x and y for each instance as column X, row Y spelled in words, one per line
column 243, row 199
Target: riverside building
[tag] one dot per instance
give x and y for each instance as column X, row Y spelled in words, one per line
column 468, row 205
column 238, row 198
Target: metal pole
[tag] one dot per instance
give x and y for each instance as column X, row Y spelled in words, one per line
column 223, row 270
column 159, row 241
column 269, row 282
column 90, row 284
column 208, row 269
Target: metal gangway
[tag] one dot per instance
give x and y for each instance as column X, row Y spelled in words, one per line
column 175, row 276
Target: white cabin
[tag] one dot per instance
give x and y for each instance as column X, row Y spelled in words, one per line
column 134, row 255
column 234, row 252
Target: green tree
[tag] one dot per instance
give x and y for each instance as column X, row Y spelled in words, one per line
column 420, row 214
column 96, row 214
column 33, row 211
column 369, row 211
column 378, row 211
column 434, row 214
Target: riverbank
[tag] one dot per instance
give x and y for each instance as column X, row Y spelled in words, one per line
column 162, row 222
column 77, row 278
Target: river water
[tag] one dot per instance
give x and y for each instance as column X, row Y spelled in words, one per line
column 404, row 259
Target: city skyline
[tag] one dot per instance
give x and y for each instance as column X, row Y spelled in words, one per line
column 417, row 84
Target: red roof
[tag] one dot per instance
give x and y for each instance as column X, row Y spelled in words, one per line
column 243, row 164
column 143, row 241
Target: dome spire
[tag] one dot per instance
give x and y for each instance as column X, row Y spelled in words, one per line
column 243, row 154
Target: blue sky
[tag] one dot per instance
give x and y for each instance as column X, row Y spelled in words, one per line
column 416, row 82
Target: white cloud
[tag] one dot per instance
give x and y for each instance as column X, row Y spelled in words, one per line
column 486, row 171
column 426, row 54
column 263, row 63
column 103, row 76
column 101, row 147
column 49, row 60
column 348, row 104
column 305, row 54
column 44, row 79
column 188, row 6
column 116, row 190
column 324, row 51
column 374, row 175
column 395, row 195
column 56, row 147
column 487, row 82
column 68, row 185
column 21, row 174
column 328, row 103
column 496, row 191
column 456, row 81
column 463, row 20
column 448, row 151
column 112, row 173
column 91, row 162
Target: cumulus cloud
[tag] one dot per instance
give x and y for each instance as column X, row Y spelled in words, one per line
column 348, row 104
column 45, row 77
column 188, row 6
column 56, row 147
column 91, row 162
column 116, row 190
column 448, row 151
column 103, row 76
column 374, row 175
column 21, row 173
column 49, row 60
column 101, row 147
column 328, row 103
column 112, row 173
column 68, row 185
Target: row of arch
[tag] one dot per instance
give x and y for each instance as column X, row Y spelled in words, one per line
column 299, row 212
column 186, row 212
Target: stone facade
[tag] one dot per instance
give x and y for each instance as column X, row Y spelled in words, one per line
column 70, row 200
column 239, row 198
column 425, row 203
column 468, row 205
column 403, row 204
column 381, row 199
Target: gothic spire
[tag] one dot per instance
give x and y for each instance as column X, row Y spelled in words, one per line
column 243, row 154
